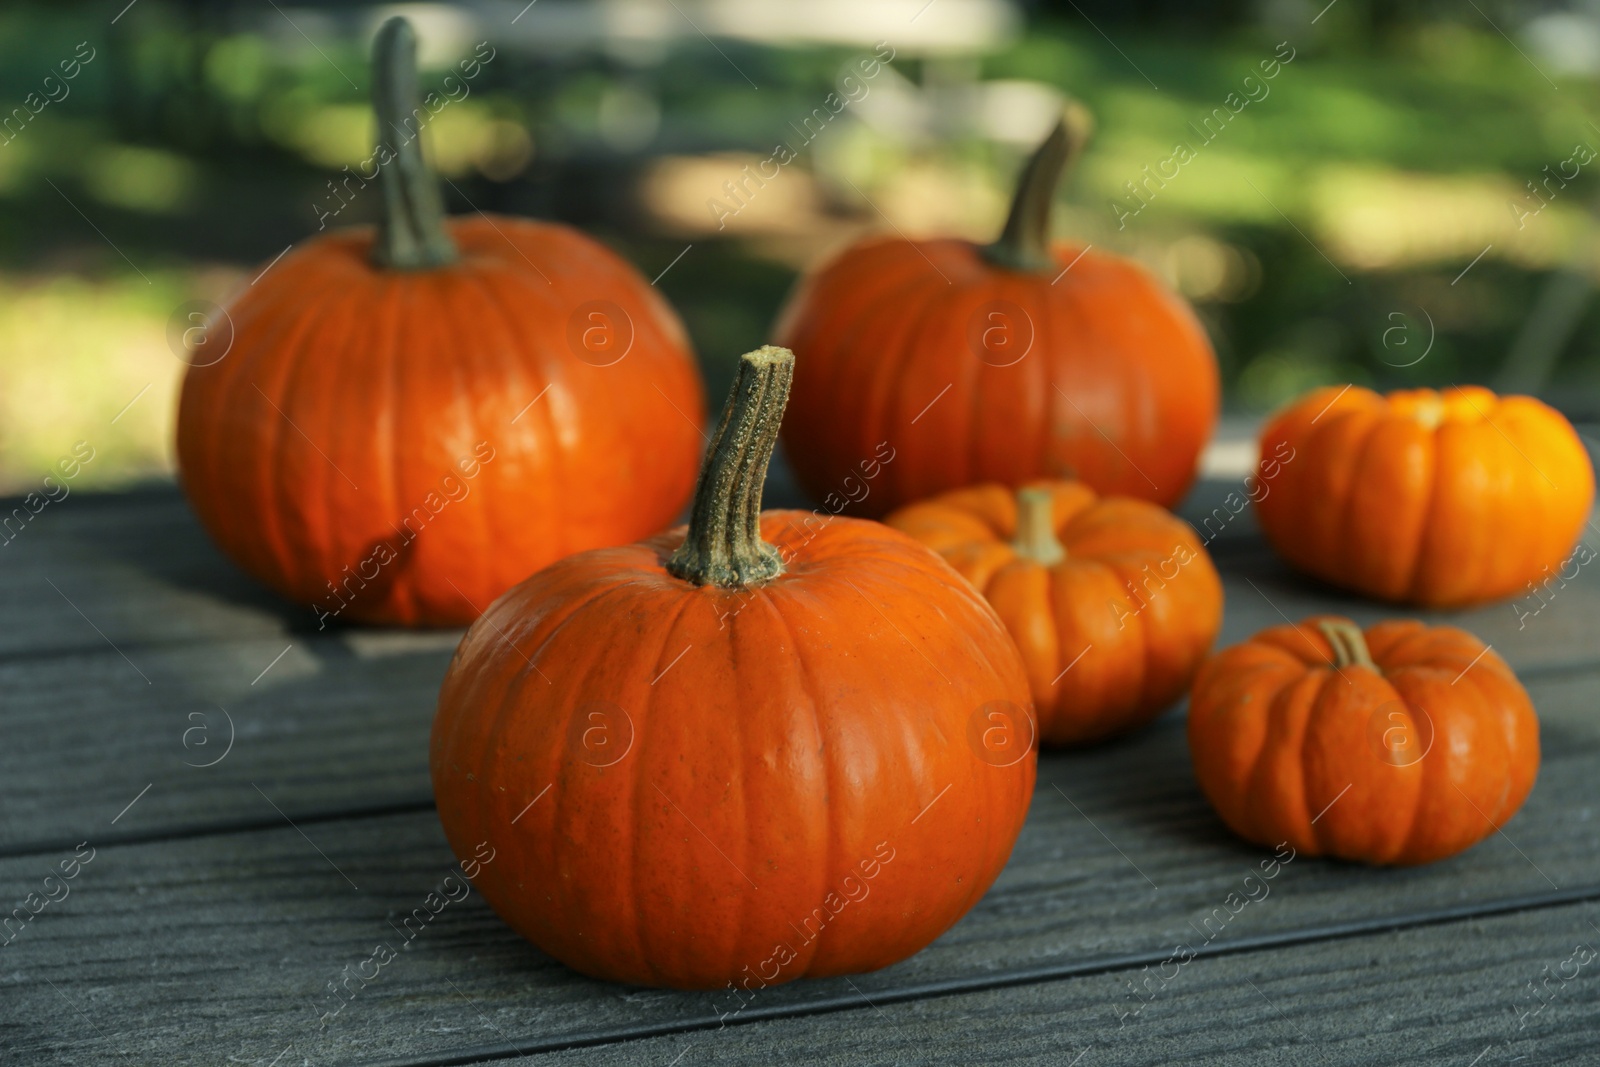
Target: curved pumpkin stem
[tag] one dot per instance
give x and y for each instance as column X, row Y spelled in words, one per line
column 1036, row 528
column 1349, row 644
column 1025, row 242
column 412, row 234
column 724, row 545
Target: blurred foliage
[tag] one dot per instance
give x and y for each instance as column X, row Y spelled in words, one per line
column 1324, row 235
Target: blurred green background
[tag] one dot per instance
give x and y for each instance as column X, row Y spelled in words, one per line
column 1396, row 207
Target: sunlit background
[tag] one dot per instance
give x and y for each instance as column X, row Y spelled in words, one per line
column 1397, row 206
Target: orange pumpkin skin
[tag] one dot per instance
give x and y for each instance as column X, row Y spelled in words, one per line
column 764, row 750
column 355, row 401
column 1113, row 632
column 1434, row 498
column 1404, row 767
column 977, row 373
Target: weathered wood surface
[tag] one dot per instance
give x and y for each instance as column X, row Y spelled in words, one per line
column 1472, row 993
column 330, row 728
column 136, row 569
column 247, row 927
column 163, row 638
column 220, row 904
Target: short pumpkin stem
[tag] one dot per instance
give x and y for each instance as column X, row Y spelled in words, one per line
column 1349, row 645
column 1025, row 242
column 724, row 546
column 1036, row 528
column 412, row 234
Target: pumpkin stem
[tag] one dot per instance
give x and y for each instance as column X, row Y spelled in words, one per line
column 1349, row 644
column 1036, row 528
column 1025, row 242
column 724, row 546
column 412, row 234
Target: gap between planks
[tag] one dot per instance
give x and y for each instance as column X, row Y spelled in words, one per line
column 533, row 1046
column 419, row 802
column 310, row 638
column 185, row 832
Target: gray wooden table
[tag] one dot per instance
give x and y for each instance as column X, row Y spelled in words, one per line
column 253, row 796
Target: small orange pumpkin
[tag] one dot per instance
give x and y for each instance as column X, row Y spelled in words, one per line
column 408, row 422
column 774, row 745
column 1436, row 498
column 1005, row 362
column 1113, row 602
column 1401, row 745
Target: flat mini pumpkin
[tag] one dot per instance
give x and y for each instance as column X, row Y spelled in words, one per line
column 1113, row 602
column 766, row 747
column 1436, row 498
column 1402, row 744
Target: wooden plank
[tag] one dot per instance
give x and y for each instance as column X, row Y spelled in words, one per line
column 318, row 725
column 1474, row 993
column 344, row 715
column 135, row 569
column 1533, row 634
column 1121, row 861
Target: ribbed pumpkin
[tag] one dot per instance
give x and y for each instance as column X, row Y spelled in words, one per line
column 411, row 420
column 1007, row 362
column 1401, row 745
column 1113, row 602
column 1435, row 498
column 770, row 746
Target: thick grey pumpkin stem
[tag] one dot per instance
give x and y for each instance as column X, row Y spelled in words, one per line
column 412, row 234
column 724, row 545
column 1025, row 242
column 1349, row 645
column 1036, row 528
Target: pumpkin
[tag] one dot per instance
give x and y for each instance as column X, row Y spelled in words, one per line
column 1112, row 601
column 1006, row 362
column 1434, row 498
column 769, row 746
column 1402, row 744
column 410, row 420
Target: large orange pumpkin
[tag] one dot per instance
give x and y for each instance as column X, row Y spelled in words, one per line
column 1437, row 498
column 1006, row 363
column 409, row 421
column 1113, row 602
column 773, row 746
column 1401, row 745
